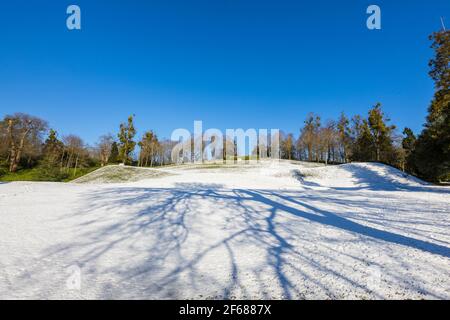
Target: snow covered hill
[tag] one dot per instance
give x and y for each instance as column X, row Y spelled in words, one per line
column 270, row 230
column 374, row 176
column 118, row 173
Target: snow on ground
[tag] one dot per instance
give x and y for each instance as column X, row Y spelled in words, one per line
column 271, row 230
column 117, row 174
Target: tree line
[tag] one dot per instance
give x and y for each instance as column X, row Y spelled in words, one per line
column 28, row 142
column 344, row 140
column 374, row 138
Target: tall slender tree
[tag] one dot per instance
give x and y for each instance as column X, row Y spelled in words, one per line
column 309, row 135
column 381, row 132
column 432, row 151
column 126, row 142
column 344, row 137
column 150, row 146
column 287, row 146
column 408, row 145
column 104, row 147
column 114, row 154
column 51, row 163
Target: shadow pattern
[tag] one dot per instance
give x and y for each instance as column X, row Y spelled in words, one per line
column 205, row 241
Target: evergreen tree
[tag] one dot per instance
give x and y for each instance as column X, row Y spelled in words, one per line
column 53, row 148
column 344, row 137
column 363, row 147
column 53, row 153
column 381, row 133
column 432, row 152
column 408, row 145
column 409, row 141
column 126, row 143
column 114, row 156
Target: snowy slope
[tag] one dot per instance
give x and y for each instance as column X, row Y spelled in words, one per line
column 362, row 175
column 270, row 230
column 118, row 173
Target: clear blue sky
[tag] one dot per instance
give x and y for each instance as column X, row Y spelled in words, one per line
column 242, row 63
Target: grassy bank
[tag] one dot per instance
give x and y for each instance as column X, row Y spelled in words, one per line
column 37, row 174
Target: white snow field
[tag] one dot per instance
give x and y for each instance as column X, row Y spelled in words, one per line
column 271, row 230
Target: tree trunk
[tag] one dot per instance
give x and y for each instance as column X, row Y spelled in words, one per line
column 12, row 160
column 16, row 152
column 76, row 164
column 12, row 153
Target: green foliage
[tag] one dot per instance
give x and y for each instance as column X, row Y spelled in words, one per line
column 149, row 146
column 431, row 155
column 373, row 137
column 362, row 147
column 344, row 135
column 408, row 145
column 34, row 174
column 48, row 171
column 114, row 156
column 381, row 133
column 409, row 140
column 3, row 171
column 52, row 145
column 75, row 174
column 22, row 175
column 45, row 174
column 52, row 151
column 126, row 143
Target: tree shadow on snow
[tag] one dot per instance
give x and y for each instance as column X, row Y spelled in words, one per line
column 167, row 218
column 376, row 181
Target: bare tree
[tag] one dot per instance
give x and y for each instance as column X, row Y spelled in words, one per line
column 4, row 142
column 287, row 146
column 75, row 152
column 150, row 148
column 104, row 148
column 327, row 141
column 309, row 136
column 21, row 130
